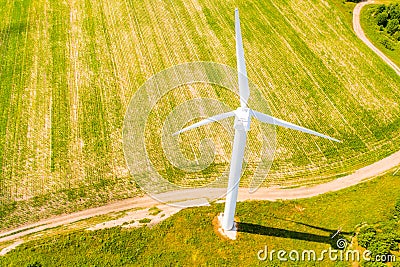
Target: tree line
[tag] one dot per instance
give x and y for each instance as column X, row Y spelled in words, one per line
column 387, row 17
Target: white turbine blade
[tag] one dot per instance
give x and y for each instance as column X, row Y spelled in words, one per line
column 244, row 91
column 206, row 121
column 272, row 120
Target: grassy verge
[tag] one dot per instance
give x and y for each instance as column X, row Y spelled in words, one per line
column 380, row 39
column 346, row 8
column 188, row 237
column 14, row 213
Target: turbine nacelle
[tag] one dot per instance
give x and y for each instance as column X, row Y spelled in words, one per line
column 242, row 119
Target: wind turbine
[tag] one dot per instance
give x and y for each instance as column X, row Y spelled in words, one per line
column 243, row 117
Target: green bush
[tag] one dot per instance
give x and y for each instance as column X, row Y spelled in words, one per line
column 394, row 11
column 366, row 236
column 396, row 36
column 387, row 44
column 389, row 238
column 145, row 220
column 154, row 211
column 397, row 206
column 374, row 264
column 380, row 8
column 35, row 264
column 366, row 239
column 382, row 239
column 381, row 19
column 392, row 26
column 379, row 248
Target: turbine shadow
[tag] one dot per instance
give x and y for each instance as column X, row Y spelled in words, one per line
column 333, row 232
column 284, row 233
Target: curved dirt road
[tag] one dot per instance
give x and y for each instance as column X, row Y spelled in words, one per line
column 359, row 176
column 360, row 34
column 271, row 194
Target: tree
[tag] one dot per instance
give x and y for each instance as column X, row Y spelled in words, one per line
column 394, row 11
column 392, row 26
column 381, row 8
column 381, row 18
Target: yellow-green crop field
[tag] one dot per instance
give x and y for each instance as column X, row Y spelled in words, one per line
column 69, row 68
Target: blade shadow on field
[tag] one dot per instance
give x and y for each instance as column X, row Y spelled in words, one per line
column 330, row 238
column 316, row 227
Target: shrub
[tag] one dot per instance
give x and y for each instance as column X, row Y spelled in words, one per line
column 397, row 206
column 366, row 236
column 145, row 220
column 394, row 11
column 379, row 248
column 381, row 8
column 34, row 264
column 388, row 238
column 392, row 26
column 387, row 44
column 154, row 211
column 381, row 19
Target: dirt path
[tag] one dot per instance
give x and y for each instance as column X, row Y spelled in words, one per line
column 261, row 194
column 140, row 202
column 359, row 176
column 360, row 34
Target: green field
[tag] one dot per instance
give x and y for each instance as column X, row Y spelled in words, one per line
column 68, row 70
column 188, row 238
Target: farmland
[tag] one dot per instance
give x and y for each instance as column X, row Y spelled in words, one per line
column 69, row 69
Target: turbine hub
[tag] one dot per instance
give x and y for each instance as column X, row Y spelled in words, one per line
column 242, row 119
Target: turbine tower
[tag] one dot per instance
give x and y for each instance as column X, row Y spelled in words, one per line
column 243, row 117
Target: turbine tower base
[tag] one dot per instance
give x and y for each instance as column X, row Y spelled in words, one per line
column 230, row 234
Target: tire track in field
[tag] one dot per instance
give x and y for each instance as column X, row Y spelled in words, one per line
column 60, row 97
column 16, row 64
column 5, row 85
column 39, row 88
column 75, row 81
